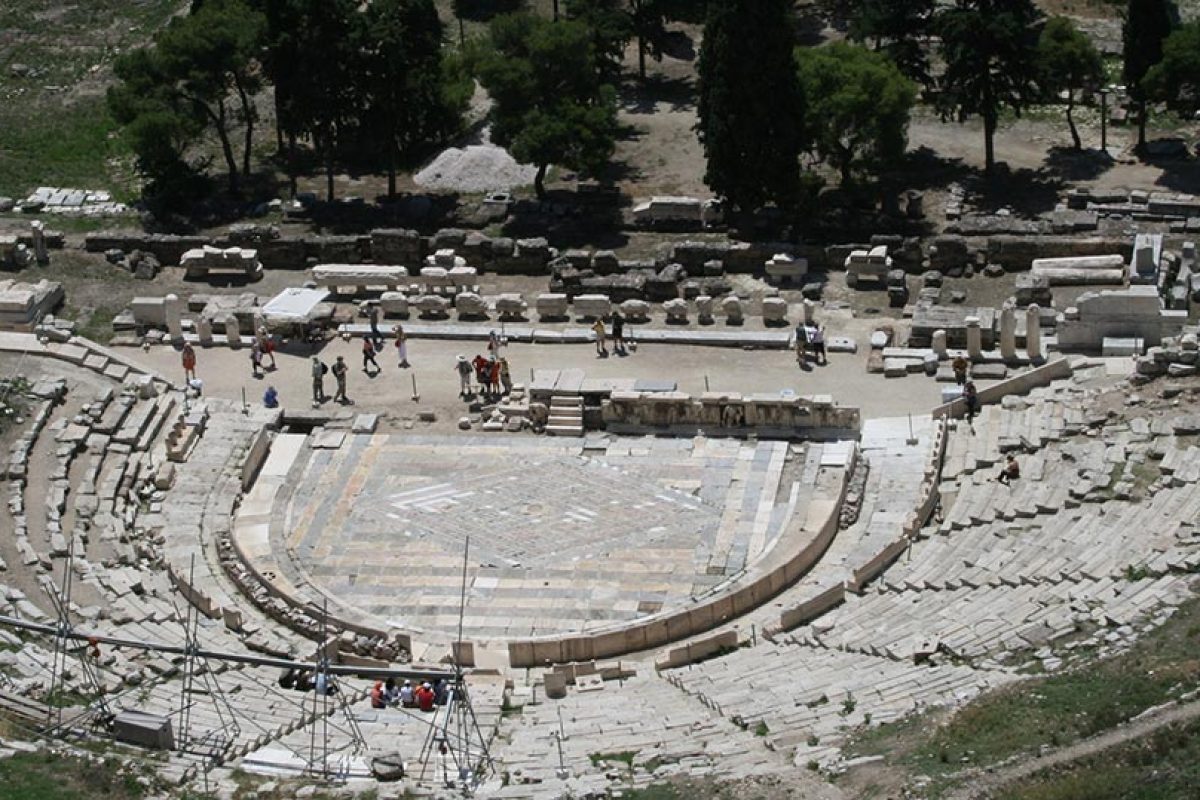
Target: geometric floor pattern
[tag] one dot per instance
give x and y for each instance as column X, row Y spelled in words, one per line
column 561, row 538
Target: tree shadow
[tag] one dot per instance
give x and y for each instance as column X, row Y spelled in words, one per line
column 1069, row 164
column 1178, row 175
column 643, row 98
column 924, row 168
column 1027, row 191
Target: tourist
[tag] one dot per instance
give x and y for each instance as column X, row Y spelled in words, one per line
column 318, row 380
column 441, row 692
column 368, row 355
column 391, row 692
column 1010, row 471
column 266, row 344
column 325, row 685
column 817, row 340
column 401, row 346
column 494, row 376
column 618, row 333
column 801, row 343
column 408, row 698
column 373, row 319
column 494, row 344
column 505, row 376
column 255, row 360
column 464, row 375
column 271, row 397
column 425, row 697
column 971, row 398
column 483, row 372
column 960, row 366
column 189, row 362
column 339, row 374
column 378, row 698
column 598, row 329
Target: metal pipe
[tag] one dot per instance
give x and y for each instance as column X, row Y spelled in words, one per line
column 236, row 658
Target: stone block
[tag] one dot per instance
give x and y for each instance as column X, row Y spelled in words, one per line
column 592, row 306
column 552, row 305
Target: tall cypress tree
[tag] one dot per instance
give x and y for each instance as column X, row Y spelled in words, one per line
column 751, row 108
column 1147, row 24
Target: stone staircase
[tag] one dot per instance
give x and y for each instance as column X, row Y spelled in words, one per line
column 566, row 416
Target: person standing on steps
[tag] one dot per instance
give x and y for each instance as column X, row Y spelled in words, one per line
column 368, row 355
column 960, row 366
column 401, row 346
column 189, row 362
column 971, row 397
column 339, row 374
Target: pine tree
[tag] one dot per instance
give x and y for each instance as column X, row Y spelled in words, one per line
column 897, row 28
column 990, row 50
column 751, row 110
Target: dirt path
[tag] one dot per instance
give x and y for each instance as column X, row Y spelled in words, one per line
column 984, row 785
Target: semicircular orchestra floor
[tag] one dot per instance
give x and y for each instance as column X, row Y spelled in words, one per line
column 562, row 538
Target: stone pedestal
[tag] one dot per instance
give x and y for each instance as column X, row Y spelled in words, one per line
column 1033, row 333
column 1008, row 334
column 233, row 333
column 974, row 339
column 938, row 342
column 808, row 312
column 39, row 242
column 173, row 311
column 204, row 331
column 704, row 309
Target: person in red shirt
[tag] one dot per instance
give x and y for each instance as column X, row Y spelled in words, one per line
column 425, row 697
column 377, row 698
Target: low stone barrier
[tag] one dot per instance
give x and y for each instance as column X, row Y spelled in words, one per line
column 766, row 579
column 729, row 414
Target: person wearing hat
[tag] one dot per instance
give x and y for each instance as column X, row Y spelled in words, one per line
column 464, row 375
column 339, row 375
column 407, row 696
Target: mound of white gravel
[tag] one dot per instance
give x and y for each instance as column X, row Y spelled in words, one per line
column 477, row 168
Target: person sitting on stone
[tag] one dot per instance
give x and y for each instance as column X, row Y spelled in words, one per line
column 1010, row 471
column 391, row 692
column 378, row 698
column 271, row 397
column 425, row 697
column 408, row 697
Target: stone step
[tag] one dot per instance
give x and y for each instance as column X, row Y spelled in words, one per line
column 564, row 430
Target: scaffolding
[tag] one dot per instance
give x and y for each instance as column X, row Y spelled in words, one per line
column 454, row 750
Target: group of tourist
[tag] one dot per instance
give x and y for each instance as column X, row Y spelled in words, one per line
column 602, row 335
column 810, row 337
column 307, row 680
column 424, row 696
column 492, row 375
